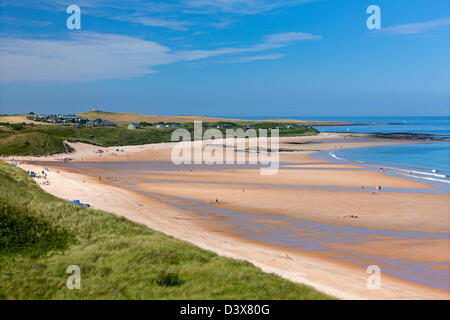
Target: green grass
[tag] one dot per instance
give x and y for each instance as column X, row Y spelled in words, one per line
column 25, row 234
column 31, row 139
column 41, row 235
column 31, row 143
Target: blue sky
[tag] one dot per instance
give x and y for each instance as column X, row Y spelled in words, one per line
column 230, row 58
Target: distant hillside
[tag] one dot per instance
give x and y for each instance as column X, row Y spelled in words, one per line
column 17, row 118
column 41, row 138
column 126, row 118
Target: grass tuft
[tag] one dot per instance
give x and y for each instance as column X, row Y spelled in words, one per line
column 168, row 279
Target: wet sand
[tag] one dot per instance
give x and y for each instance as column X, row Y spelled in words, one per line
column 294, row 223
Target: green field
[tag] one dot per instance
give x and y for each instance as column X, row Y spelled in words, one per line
column 41, row 235
column 32, row 143
column 44, row 139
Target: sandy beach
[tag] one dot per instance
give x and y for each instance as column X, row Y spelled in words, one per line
column 238, row 212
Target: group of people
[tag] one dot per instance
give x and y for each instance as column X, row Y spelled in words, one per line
column 377, row 189
column 41, row 175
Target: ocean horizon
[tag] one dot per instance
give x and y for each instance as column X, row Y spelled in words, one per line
column 438, row 126
column 429, row 161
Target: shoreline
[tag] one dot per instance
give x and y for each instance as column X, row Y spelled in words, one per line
column 435, row 178
column 420, row 137
column 307, row 268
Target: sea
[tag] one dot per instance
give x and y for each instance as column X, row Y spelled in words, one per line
column 423, row 160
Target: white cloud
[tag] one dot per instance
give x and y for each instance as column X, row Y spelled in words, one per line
column 240, row 7
column 258, row 58
column 86, row 57
column 176, row 15
column 289, row 37
column 416, row 28
column 155, row 22
column 24, row 22
column 273, row 41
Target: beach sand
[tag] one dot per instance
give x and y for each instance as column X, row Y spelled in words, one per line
column 331, row 194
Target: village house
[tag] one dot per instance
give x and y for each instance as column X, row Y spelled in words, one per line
column 106, row 123
column 133, row 126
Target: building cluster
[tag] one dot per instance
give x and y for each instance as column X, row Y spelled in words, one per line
column 288, row 126
column 71, row 119
column 169, row 125
column 135, row 126
column 224, row 125
column 99, row 123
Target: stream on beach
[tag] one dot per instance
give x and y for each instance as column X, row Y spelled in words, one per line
column 341, row 243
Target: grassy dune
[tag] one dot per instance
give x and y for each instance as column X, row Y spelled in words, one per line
column 30, row 139
column 126, row 118
column 17, row 118
column 31, row 143
column 41, row 235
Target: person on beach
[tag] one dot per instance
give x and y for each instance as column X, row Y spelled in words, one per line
column 377, row 189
